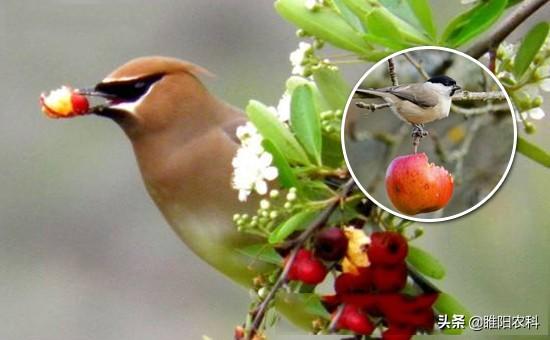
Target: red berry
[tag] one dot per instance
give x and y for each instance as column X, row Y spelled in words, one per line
column 366, row 302
column 389, row 278
column 80, row 103
column 415, row 186
column 307, row 268
column 354, row 320
column 387, row 247
column 348, row 283
column 331, row 244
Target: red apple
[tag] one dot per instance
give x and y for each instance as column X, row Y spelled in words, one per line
column 415, row 186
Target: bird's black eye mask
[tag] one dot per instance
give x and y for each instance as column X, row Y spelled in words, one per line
column 126, row 90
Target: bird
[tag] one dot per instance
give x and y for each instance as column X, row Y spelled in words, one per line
column 184, row 140
column 419, row 103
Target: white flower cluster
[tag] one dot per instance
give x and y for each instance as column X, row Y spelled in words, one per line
column 298, row 58
column 282, row 111
column 252, row 164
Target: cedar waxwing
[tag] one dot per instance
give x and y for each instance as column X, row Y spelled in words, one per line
column 184, row 141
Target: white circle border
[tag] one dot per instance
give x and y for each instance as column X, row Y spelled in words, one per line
column 440, row 219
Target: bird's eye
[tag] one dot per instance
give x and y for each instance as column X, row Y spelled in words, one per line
column 129, row 90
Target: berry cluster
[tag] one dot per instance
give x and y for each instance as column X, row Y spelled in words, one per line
column 369, row 297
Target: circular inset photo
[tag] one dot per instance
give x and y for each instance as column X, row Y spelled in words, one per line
column 429, row 134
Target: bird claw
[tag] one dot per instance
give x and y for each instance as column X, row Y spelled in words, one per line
column 417, row 134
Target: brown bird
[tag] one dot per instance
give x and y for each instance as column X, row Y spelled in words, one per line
column 184, row 141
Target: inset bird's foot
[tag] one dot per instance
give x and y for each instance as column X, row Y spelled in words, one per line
column 419, row 131
column 417, row 134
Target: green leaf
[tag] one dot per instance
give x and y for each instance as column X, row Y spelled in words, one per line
column 530, row 46
column 332, row 152
column 262, row 252
column 348, row 15
column 473, row 22
column 423, row 13
column 380, row 24
column 286, row 177
column 425, row 263
column 533, row 152
column 271, row 128
column 305, row 121
column 299, row 221
column 295, row 81
column 314, row 306
column 324, row 23
column 332, row 86
column 410, row 34
column 447, row 304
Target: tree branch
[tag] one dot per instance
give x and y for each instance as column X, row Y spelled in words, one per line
column 473, row 111
column 259, row 313
column 467, row 95
column 505, row 27
column 371, row 106
column 391, row 69
column 417, row 65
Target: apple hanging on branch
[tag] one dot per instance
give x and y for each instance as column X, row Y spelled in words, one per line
column 416, row 186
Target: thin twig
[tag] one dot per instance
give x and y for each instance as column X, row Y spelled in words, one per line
column 505, row 27
column 334, row 322
column 467, row 95
column 391, row 69
column 319, row 221
column 417, row 65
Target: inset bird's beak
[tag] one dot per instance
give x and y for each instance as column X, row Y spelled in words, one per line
column 455, row 89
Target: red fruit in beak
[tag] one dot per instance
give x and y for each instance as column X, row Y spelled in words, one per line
column 387, row 248
column 415, row 186
column 80, row 103
column 307, row 268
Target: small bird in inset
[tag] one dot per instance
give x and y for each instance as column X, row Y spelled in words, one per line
column 419, row 103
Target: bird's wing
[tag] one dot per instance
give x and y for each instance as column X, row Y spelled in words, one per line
column 415, row 93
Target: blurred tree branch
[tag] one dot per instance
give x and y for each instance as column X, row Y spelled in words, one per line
column 505, row 27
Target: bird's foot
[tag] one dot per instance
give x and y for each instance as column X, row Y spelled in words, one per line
column 419, row 131
column 417, row 134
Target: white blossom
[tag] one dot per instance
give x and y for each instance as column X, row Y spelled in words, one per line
column 536, row 113
column 283, row 107
column 298, row 56
column 545, row 85
column 251, row 164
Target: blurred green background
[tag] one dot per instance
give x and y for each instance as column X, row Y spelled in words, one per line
column 84, row 254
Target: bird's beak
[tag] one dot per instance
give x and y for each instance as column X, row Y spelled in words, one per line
column 102, row 108
column 455, row 89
